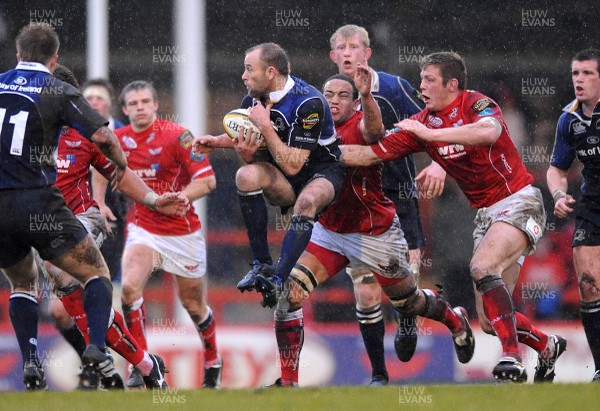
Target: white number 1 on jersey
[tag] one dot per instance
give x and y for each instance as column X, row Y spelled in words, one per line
column 20, row 122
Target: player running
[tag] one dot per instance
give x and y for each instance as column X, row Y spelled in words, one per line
column 465, row 133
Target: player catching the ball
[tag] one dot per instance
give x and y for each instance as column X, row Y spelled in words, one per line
column 299, row 168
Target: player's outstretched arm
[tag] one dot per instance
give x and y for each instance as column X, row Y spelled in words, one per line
column 371, row 125
column 206, row 144
column 199, row 187
column 556, row 179
column 167, row 203
column 484, row 132
column 108, row 144
column 354, row 155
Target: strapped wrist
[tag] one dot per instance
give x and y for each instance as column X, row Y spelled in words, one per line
column 150, row 200
column 558, row 194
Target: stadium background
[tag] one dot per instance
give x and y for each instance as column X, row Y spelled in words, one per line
column 519, row 56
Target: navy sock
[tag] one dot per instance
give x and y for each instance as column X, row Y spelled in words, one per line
column 256, row 219
column 97, row 302
column 294, row 243
column 74, row 338
column 372, row 328
column 590, row 318
column 23, row 310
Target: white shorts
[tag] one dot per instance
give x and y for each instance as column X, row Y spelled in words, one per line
column 523, row 210
column 182, row 255
column 93, row 221
column 385, row 254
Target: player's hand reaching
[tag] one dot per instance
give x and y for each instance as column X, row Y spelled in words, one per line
column 260, row 116
column 362, row 79
column 564, row 206
column 431, row 180
column 204, row 144
column 172, row 204
column 412, row 126
column 108, row 216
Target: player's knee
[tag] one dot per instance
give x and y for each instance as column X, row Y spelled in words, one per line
column 246, row 178
column 306, row 204
column 588, row 287
column 367, row 295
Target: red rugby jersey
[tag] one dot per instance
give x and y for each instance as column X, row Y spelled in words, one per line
column 486, row 174
column 361, row 206
column 75, row 155
column 162, row 156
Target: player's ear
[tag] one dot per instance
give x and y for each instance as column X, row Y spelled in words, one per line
column 19, row 57
column 368, row 53
column 332, row 56
column 452, row 85
column 124, row 109
column 52, row 63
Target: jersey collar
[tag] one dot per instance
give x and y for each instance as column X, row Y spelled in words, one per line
column 276, row 96
column 31, row 65
column 574, row 108
column 374, row 81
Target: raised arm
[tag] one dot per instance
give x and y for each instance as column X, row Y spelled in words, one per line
column 483, row 132
column 371, row 125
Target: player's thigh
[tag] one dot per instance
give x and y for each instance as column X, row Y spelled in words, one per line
column 587, row 266
column 83, row 261
column 137, row 265
column 500, row 248
column 275, row 185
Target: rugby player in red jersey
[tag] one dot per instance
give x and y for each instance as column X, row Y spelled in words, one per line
column 465, row 133
column 360, row 229
column 159, row 151
column 75, row 155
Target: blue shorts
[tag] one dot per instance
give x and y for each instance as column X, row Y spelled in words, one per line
column 586, row 233
column 37, row 218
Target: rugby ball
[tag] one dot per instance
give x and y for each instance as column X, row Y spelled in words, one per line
column 239, row 118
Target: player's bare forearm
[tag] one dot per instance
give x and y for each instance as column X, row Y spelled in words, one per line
column 108, row 144
column 556, row 180
column 354, row 155
column 99, row 184
column 479, row 133
column 372, row 124
column 133, row 186
column 205, row 144
column 200, row 187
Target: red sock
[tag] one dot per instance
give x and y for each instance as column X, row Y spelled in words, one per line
column 290, row 338
column 119, row 339
column 530, row 335
column 208, row 334
column 73, row 303
column 498, row 308
column 440, row 310
column 136, row 319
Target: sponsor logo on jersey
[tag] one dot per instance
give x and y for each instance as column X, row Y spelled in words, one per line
column 129, row 142
column 578, row 128
column 155, row 151
column 73, row 143
column 62, row 164
column 453, row 113
column 186, row 139
column 196, row 157
column 309, row 121
column 452, row 151
column 485, row 112
column 21, row 81
column 150, row 137
column 458, row 123
column 593, row 140
column 482, row 103
column 148, row 172
column 435, row 121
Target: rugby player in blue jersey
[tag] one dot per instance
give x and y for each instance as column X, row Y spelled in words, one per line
column 33, row 108
column 578, row 136
column 397, row 100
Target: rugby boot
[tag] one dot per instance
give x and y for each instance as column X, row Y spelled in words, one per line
column 379, row 380
column 279, row 384
column 33, row 376
column 509, row 368
column 248, row 282
column 156, row 379
column 464, row 343
column 268, row 287
column 405, row 341
column 212, row 375
column 544, row 372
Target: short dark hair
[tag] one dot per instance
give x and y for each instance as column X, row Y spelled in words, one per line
column 37, row 42
column 344, row 77
column 64, row 74
column 136, row 86
column 451, row 66
column 272, row 54
column 100, row 82
column 588, row 54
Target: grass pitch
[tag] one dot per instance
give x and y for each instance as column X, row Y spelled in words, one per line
column 545, row 397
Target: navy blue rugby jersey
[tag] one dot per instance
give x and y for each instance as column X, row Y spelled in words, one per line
column 397, row 101
column 302, row 119
column 33, row 107
column 578, row 136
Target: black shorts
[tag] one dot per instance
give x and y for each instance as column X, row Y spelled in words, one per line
column 586, row 233
column 410, row 220
column 37, row 218
column 333, row 172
